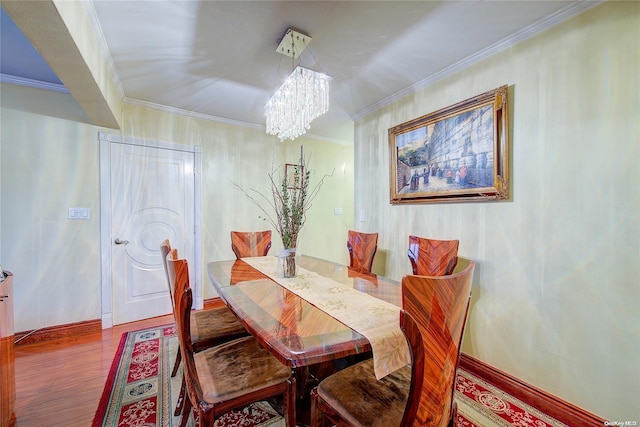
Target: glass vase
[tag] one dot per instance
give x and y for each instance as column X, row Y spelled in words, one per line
column 287, row 262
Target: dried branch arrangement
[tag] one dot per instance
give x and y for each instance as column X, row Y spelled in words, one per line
column 290, row 200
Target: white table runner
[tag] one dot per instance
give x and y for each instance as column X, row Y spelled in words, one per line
column 377, row 320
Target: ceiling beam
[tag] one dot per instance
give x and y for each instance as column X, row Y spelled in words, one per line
column 63, row 35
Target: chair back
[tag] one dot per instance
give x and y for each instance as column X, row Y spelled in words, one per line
column 250, row 244
column 430, row 257
column 165, row 248
column 183, row 301
column 171, row 262
column 433, row 319
column 362, row 248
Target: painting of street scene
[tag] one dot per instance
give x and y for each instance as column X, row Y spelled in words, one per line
column 458, row 153
column 451, row 154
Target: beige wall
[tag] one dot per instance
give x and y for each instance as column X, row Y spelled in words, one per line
column 50, row 164
column 557, row 283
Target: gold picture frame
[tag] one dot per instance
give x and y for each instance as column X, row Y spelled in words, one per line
column 457, row 154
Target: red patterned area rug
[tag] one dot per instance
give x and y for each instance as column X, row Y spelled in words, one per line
column 140, row 392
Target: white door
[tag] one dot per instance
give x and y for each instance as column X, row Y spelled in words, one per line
column 152, row 199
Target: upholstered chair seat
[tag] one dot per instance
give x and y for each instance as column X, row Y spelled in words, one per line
column 237, row 368
column 213, row 326
column 365, row 401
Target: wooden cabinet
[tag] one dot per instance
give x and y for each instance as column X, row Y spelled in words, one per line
column 7, row 357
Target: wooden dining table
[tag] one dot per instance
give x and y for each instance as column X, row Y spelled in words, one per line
column 298, row 333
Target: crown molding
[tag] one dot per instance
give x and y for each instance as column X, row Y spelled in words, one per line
column 527, row 32
column 223, row 120
column 194, row 114
column 37, row 84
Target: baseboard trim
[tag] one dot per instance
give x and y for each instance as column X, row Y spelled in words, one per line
column 58, row 331
column 549, row 404
column 80, row 328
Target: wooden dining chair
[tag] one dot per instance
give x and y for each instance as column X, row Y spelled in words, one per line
column 431, row 257
column 208, row 327
column 230, row 375
column 362, row 249
column 433, row 316
column 250, row 244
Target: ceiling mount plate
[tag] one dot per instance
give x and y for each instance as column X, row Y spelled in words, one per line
column 293, row 43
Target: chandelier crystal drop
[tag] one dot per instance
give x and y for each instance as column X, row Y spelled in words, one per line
column 302, row 97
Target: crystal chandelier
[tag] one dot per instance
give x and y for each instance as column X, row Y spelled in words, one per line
column 302, row 97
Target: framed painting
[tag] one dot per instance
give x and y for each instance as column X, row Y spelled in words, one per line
column 294, row 174
column 458, row 153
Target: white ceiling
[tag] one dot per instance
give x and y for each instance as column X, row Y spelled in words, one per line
column 218, row 59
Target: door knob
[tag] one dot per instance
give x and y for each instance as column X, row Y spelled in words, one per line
column 120, row 242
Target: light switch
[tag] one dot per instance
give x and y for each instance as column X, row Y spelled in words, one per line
column 79, row 213
column 363, row 215
column 337, row 211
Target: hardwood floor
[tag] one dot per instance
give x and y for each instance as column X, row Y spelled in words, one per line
column 59, row 382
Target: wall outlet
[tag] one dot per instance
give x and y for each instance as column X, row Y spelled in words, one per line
column 337, row 211
column 79, row 213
